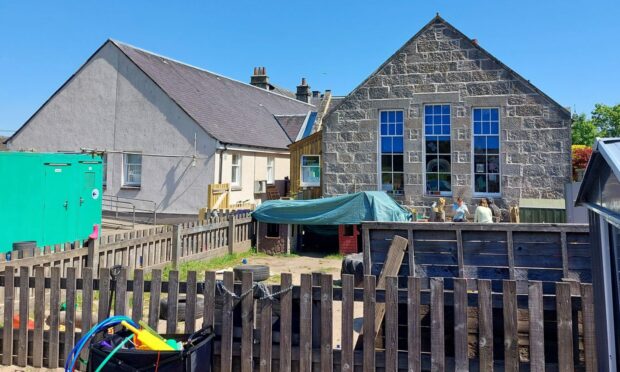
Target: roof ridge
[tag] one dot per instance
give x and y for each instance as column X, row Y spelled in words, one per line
column 207, row 71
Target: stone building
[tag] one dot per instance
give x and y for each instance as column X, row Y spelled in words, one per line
column 443, row 117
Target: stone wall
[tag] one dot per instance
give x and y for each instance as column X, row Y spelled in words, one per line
column 441, row 65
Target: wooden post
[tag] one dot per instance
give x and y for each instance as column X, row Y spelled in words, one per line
column 459, row 253
column 7, row 336
column 536, row 320
column 305, row 324
column 366, row 254
column 231, row 233
column 511, row 339
column 22, row 340
column 511, row 254
column 564, row 254
column 92, row 260
column 176, row 246
column 247, row 324
column 438, row 362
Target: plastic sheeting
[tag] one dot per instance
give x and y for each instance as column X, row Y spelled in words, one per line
column 349, row 209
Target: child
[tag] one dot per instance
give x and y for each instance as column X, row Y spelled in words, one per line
column 460, row 211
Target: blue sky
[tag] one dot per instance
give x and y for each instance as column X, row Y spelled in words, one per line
column 569, row 49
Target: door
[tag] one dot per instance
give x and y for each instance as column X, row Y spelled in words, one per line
column 88, row 197
column 57, row 227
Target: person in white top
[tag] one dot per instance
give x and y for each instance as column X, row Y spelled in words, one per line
column 483, row 213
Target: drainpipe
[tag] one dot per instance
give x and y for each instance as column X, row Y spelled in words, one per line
column 222, row 150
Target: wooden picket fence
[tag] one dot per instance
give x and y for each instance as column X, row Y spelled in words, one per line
column 424, row 329
column 147, row 248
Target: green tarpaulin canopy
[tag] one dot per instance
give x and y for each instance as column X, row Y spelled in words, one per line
column 349, row 209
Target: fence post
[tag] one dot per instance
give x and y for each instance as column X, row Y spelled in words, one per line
column 231, row 233
column 176, row 246
column 93, row 251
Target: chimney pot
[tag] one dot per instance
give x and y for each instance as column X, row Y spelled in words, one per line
column 474, row 41
column 303, row 91
column 260, row 78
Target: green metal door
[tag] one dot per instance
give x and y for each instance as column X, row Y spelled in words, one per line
column 88, row 196
column 57, row 204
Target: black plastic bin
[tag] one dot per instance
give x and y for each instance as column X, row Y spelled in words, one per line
column 195, row 357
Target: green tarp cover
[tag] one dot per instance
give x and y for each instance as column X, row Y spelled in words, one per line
column 349, row 209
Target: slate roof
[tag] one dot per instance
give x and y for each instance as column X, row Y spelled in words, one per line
column 291, row 124
column 229, row 110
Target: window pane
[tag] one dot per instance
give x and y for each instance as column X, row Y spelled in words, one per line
column 493, row 164
column 494, row 127
column 134, row 158
column 480, row 145
column 310, row 160
column 486, row 128
column 386, row 181
column 477, row 128
column 386, row 163
column 444, row 145
column 444, row 182
column 311, row 175
column 428, row 119
column 494, row 114
column 391, row 116
column 445, row 109
column 384, row 116
column 384, row 129
column 437, row 109
column 428, row 129
column 486, row 115
column 493, row 145
column 398, row 163
column 428, row 110
column 431, row 145
column 386, row 144
column 444, row 163
column 398, row 145
column 480, row 165
column 437, row 119
column 397, row 182
column 399, row 129
column 480, row 183
column 445, row 119
column 432, row 182
column 399, row 116
column 445, row 129
column 392, row 129
column 493, row 183
column 477, row 114
column 432, row 163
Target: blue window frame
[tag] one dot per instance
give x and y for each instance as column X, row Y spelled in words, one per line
column 486, row 151
column 438, row 161
column 392, row 151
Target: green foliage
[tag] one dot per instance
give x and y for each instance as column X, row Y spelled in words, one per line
column 584, row 132
column 607, row 120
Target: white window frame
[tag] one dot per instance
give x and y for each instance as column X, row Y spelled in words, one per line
column 235, row 169
column 301, row 171
column 271, row 173
column 126, row 182
column 441, row 193
column 499, row 155
column 379, row 153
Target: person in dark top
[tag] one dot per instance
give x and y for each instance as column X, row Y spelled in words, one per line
column 497, row 214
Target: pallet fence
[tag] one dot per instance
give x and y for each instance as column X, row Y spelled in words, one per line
column 148, row 248
column 277, row 332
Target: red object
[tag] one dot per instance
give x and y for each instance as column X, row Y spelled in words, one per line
column 16, row 322
column 95, row 233
column 347, row 239
column 581, row 157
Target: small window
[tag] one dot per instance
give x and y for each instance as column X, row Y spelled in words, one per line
column 273, row 230
column 310, row 170
column 133, row 170
column 235, row 177
column 392, row 152
column 270, row 170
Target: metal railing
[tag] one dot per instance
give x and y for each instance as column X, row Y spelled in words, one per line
column 128, row 207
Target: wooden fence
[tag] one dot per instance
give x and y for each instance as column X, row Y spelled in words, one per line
column 149, row 248
column 293, row 330
column 544, row 252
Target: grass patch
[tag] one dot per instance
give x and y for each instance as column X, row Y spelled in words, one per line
column 334, row 256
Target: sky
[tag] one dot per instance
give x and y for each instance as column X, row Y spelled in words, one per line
column 569, row 49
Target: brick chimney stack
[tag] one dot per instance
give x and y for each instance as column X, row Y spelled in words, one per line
column 303, row 91
column 260, row 78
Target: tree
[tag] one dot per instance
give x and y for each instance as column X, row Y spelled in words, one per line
column 607, row 120
column 584, row 132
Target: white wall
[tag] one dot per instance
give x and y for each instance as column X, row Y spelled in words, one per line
column 111, row 105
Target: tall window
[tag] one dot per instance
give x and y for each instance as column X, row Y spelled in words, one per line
column 486, row 150
column 270, row 170
column 235, row 177
column 437, row 141
column 392, row 152
column 132, row 170
column 310, row 170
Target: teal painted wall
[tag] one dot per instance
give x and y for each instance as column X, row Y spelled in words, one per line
column 50, row 198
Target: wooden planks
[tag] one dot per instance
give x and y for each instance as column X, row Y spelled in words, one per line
column 369, row 323
column 413, row 324
column 327, row 357
column 190, row 302
column 589, row 338
column 346, row 357
column 54, row 343
column 536, row 327
column 438, row 362
column 266, row 307
column 305, row 324
column 7, row 331
column 391, row 324
column 565, row 327
column 227, row 324
column 39, row 315
column 138, row 295
column 511, row 339
column 70, row 312
column 247, row 323
column 154, row 298
column 485, row 325
column 24, row 311
column 461, row 362
column 173, row 302
column 209, row 299
column 286, row 321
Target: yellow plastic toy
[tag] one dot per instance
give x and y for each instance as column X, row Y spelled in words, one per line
column 147, row 339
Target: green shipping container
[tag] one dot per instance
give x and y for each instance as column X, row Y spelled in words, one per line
column 542, row 210
column 50, row 198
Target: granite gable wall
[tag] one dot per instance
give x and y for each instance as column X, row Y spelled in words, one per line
column 440, row 65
